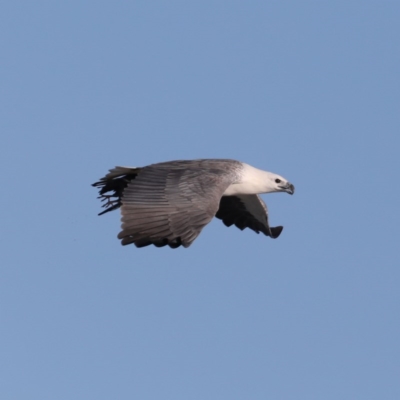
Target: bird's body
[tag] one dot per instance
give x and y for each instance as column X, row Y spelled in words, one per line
column 169, row 203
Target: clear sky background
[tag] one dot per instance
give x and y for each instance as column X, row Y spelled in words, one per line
column 309, row 90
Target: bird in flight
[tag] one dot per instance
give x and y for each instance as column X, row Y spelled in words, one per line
column 169, row 203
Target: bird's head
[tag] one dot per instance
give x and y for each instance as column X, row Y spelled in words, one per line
column 279, row 184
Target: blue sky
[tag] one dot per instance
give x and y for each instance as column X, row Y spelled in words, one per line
column 309, row 90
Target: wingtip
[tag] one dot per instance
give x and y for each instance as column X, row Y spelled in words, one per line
column 276, row 231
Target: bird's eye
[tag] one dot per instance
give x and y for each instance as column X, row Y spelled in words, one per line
column 277, row 180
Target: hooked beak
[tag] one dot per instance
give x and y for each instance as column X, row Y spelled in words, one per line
column 288, row 188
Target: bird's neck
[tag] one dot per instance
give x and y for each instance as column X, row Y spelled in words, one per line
column 252, row 181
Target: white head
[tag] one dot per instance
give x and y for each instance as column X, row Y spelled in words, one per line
column 277, row 183
column 255, row 181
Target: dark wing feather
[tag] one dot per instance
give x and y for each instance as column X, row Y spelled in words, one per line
column 246, row 211
column 112, row 186
column 170, row 206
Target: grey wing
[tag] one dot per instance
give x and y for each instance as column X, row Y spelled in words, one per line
column 247, row 211
column 169, row 206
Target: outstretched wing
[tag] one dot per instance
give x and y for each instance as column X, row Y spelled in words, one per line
column 170, row 206
column 247, row 211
